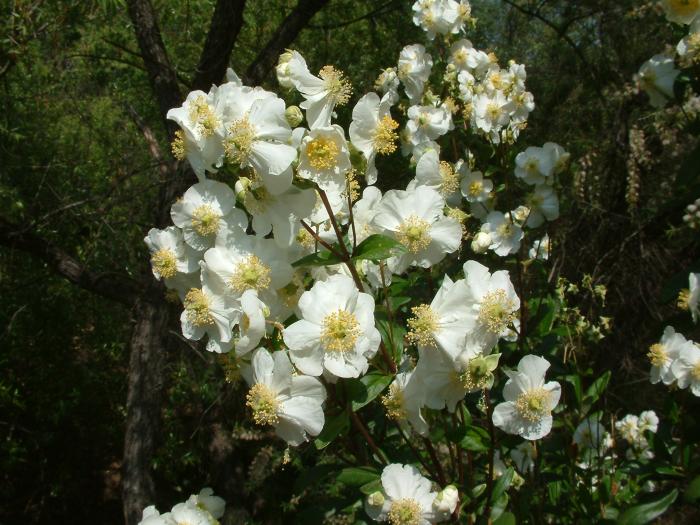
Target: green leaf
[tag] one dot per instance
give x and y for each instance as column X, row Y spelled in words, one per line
column 364, row 390
column 371, row 487
column 646, row 512
column 322, row 258
column 575, row 382
column 312, row 476
column 475, row 439
column 507, row 518
column 692, row 493
column 376, row 248
column 358, row 476
column 334, row 426
column 502, row 484
column 597, row 388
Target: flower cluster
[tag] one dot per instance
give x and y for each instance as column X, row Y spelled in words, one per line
column 635, row 431
column 675, row 360
column 201, row 509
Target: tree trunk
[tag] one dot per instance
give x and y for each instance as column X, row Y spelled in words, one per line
column 145, row 383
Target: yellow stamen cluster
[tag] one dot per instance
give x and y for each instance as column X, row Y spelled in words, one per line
column 657, row 355
column 250, row 274
column 405, row 511
column 505, row 229
column 684, row 7
column 164, row 263
column 197, row 308
column 476, row 376
column 497, row 311
column 496, row 80
column 394, row 403
column 695, row 372
column 305, row 239
column 239, row 142
column 683, row 302
column 422, row 326
column 178, row 145
column 203, row 116
column 385, row 136
column 532, row 166
column 494, row 111
column 450, row 179
column 336, row 84
column 322, row 153
column 340, row 331
column 475, row 188
column 533, row 405
column 205, row 220
column 414, row 234
column 262, row 400
column 352, row 185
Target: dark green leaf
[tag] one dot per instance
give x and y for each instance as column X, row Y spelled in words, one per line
column 692, row 493
column 475, row 439
column 362, row 391
column 507, row 518
column 646, row 512
column 358, row 476
column 334, row 426
column 597, row 388
column 323, row 258
column 371, row 487
column 376, row 248
column 502, row 484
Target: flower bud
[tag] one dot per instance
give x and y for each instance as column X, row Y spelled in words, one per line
column 294, row 116
column 241, row 188
column 481, row 242
column 282, row 70
column 376, row 499
column 445, row 502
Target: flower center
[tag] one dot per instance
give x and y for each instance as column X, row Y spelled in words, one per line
column 322, row 153
column 250, row 274
column 533, row 405
column 414, row 234
column 505, row 229
column 335, row 82
column 205, row 220
column 477, row 375
column 202, row 116
column 657, row 355
column 178, row 145
column 256, row 201
column 197, row 307
column 493, row 111
column 405, row 511
column 262, row 400
column 450, row 180
column 684, row 7
column 497, row 311
column 394, row 403
column 340, row 331
column 290, row 294
column 684, row 299
column 239, row 142
column 422, row 326
column 532, row 166
column 475, row 188
column 695, row 372
column 164, row 263
column 385, row 137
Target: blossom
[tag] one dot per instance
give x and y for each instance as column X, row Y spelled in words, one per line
column 535, row 165
column 689, row 299
column 662, row 355
column 387, row 84
column 686, row 368
column 416, row 219
column 324, row 157
column 363, row 212
column 188, row 514
column 252, row 322
column 681, row 11
column 210, row 313
column 373, row 131
column 656, row 77
column 541, row 248
column 591, row 434
column 558, row 155
column 414, row 70
column 336, row 332
column 169, row 253
column 428, row 123
column 205, row 210
column 688, row 49
column 206, row 500
column 543, row 205
column 290, row 403
column 474, row 187
column 529, row 401
column 405, row 498
column 151, row 516
column 438, row 175
column 321, row 93
column 403, row 401
column 435, row 16
column 492, row 112
column 504, row 233
column 524, row 456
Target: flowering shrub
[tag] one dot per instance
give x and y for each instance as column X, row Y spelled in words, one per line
column 411, row 333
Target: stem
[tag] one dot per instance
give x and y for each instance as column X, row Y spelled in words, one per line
column 433, row 456
column 492, row 453
column 363, row 430
column 414, row 449
column 321, row 241
column 352, row 222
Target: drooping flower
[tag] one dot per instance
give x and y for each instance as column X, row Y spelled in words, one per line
column 414, row 70
column 543, row 204
column 206, row 500
column 541, row 248
column 529, row 401
column 251, row 325
column 689, row 299
column 535, row 165
column 290, row 403
column 205, row 210
column 336, row 332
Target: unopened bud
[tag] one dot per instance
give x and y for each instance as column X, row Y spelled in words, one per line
column 445, row 502
column 376, row 499
column 294, row 116
column 481, row 242
column 282, row 70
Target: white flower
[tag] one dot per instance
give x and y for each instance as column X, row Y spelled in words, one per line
column 648, row 421
column 363, row 212
column 201, row 133
column 436, row 16
column 428, row 123
column 372, row 130
column 322, row 93
column 205, row 210
column 690, row 299
column 403, row 401
column 535, row 165
column 662, row 355
column 681, row 11
column 559, row 156
column 686, row 369
column 291, row 403
column 475, row 188
column 336, row 332
column 505, row 234
column 282, row 70
column 188, row 514
column 170, row 255
column 210, row 313
column 206, row 500
column 151, row 516
column 657, row 76
column 541, row 248
column 445, row 502
column 492, row 112
column 387, row 84
column 463, row 56
column 325, row 158
column 591, row 434
column 628, row 429
column 688, row 48
column 438, row 175
column 481, row 242
column 543, row 204
column 252, row 322
column 414, row 70
column 258, row 136
column 416, row 219
column 524, row 456
column 405, row 499
column 529, row 401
